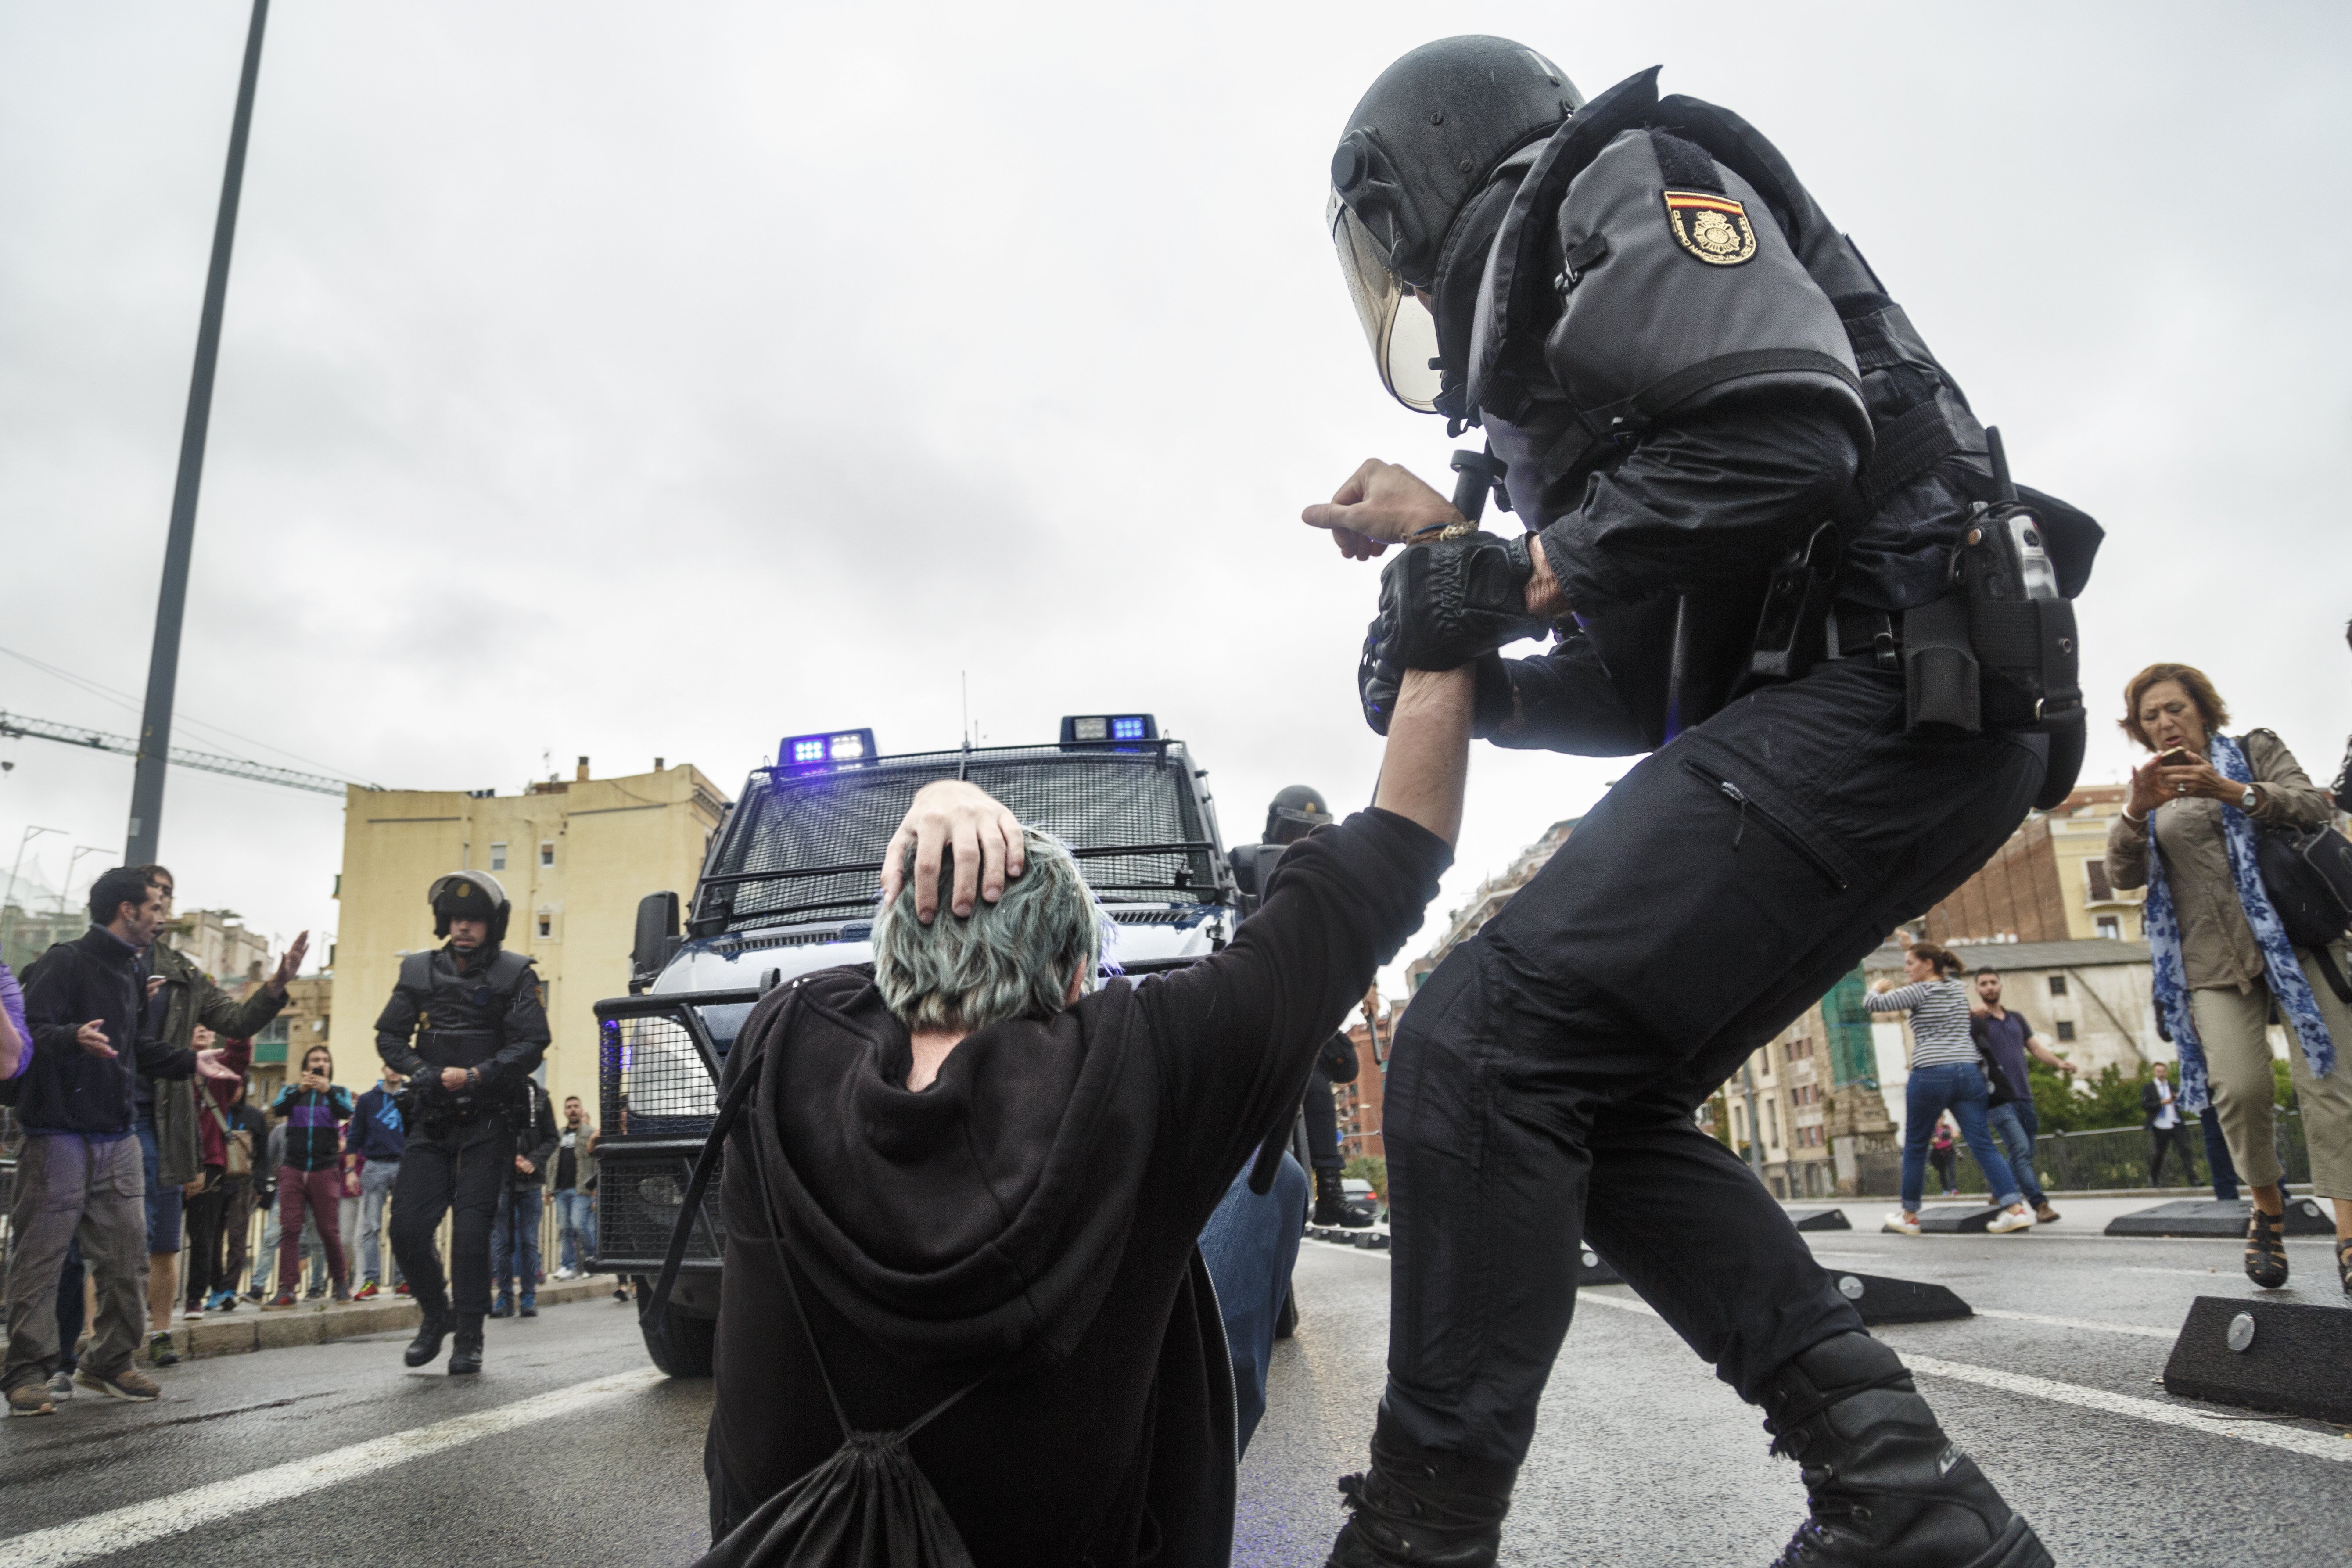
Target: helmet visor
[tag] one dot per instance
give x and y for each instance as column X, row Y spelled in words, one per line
column 1402, row 333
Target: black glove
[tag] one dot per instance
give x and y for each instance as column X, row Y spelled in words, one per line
column 1449, row 601
column 1377, row 678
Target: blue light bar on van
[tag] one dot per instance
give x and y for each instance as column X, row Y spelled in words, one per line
column 834, row 749
column 1109, row 729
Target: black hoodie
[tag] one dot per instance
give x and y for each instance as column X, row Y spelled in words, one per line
column 1032, row 1217
column 98, row 977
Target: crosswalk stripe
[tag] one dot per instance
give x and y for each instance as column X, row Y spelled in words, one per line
column 119, row 1530
column 2294, row 1439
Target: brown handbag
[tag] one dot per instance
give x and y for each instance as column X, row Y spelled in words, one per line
column 236, row 1142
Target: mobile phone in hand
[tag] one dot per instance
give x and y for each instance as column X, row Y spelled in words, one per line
column 2179, row 757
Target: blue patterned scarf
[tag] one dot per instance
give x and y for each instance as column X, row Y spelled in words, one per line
column 2289, row 988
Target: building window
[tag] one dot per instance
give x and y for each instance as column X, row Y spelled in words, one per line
column 546, row 853
column 2057, row 985
column 1800, row 1047
column 2095, row 872
column 2065, row 1028
column 547, row 925
column 1772, row 1121
column 497, row 857
column 2111, row 927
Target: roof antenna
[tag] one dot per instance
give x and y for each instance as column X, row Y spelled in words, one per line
column 963, row 683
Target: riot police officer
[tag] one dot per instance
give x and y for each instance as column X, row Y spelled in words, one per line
column 479, row 1029
column 1749, row 492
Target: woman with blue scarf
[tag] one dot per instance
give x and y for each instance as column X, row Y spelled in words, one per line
column 2221, row 959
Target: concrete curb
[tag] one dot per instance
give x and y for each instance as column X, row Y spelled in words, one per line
column 250, row 1329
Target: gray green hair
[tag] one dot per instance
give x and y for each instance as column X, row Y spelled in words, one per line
column 1011, row 959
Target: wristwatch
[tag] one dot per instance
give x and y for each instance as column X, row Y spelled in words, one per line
column 2246, row 802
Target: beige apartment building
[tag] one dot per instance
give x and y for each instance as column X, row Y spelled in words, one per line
column 574, row 857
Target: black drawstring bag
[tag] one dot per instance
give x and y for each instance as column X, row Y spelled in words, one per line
column 870, row 1506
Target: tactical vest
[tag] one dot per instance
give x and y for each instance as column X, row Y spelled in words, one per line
column 461, row 1020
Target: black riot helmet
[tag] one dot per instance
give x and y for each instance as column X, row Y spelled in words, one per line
column 1296, row 813
column 1426, row 139
column 469, row 896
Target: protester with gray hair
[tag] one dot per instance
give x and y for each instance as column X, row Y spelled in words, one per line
column 969, row 1177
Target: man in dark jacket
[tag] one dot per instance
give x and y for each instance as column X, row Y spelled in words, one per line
column 985, row 1174
column 2159, row 1105
column 514, row 1239
column 79, row 1174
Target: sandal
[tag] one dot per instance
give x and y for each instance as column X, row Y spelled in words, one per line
column 2267, row 1250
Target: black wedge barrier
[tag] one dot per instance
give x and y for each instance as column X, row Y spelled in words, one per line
column 1591, row 1268
column 1951, row 1219
column 2212, row 1218
column 2277, row 1356
column 1880, row 1299
column 1821, row 1219
column 1370, row 1241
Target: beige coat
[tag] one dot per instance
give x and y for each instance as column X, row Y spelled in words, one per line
column 2217, row 950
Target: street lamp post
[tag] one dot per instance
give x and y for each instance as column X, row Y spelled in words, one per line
column 163, row 662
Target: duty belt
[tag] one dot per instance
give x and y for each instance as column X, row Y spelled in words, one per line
column 1852, row 631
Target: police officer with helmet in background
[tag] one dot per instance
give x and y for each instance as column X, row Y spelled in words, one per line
column 478, row 1029
column 1775, row 549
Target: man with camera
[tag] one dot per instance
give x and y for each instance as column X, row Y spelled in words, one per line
column 1749, row 491
column 478, row 1029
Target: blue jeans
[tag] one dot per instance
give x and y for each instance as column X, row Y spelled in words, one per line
column 515, row 1230
column 375, row 1188
column 1958, row 1088
column 2017, row 1124
column 1249, row 1245
column 575, row 1226
column 165, row 1206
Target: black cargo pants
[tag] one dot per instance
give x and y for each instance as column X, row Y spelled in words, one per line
column 460, row 1166
column 1546, row 1074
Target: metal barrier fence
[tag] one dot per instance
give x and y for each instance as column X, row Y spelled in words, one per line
column 2104, row 1158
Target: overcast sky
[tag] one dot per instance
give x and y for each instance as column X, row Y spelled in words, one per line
column 637, row 380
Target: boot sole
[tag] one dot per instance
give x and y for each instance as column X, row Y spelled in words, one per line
column 2018, row 1547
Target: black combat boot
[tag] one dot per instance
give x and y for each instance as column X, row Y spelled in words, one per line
column 466, row 1354
column 1331, row 1199
column 1889, row 1489
column 1419, row 1508
column 430, row 1330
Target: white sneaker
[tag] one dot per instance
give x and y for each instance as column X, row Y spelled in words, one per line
column 61, row 1386
column 2009, row 1220
column 1908, row 1224
column 566, row 1274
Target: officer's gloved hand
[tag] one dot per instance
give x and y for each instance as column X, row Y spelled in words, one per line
column 1449, row 601
column 1378, row 676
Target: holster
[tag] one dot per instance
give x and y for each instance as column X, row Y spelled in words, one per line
column 2000, row 651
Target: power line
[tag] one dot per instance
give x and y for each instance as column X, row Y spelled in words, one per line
column 130, row 704
column 15, row 724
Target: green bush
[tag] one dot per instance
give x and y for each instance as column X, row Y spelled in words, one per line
column 1370, row 1168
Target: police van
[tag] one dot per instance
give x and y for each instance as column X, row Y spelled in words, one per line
column 789, row 887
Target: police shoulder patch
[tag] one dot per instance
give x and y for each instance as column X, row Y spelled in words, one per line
column 1714, row 228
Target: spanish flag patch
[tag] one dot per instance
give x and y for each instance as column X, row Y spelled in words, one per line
column 1712, row 227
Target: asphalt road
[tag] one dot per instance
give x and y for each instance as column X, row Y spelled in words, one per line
column 568, row 1451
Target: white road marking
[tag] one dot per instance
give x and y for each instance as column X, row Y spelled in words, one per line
column 2294, row 1439
column 2099, row 1324
column 119, row 1530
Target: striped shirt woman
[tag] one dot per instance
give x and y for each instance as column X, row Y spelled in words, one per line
column 1944, row 1077
column 1939, row 1019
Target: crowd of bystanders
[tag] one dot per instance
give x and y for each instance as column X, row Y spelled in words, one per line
column 127, row 1070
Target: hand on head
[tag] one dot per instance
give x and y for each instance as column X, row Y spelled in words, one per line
column 983, row 835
